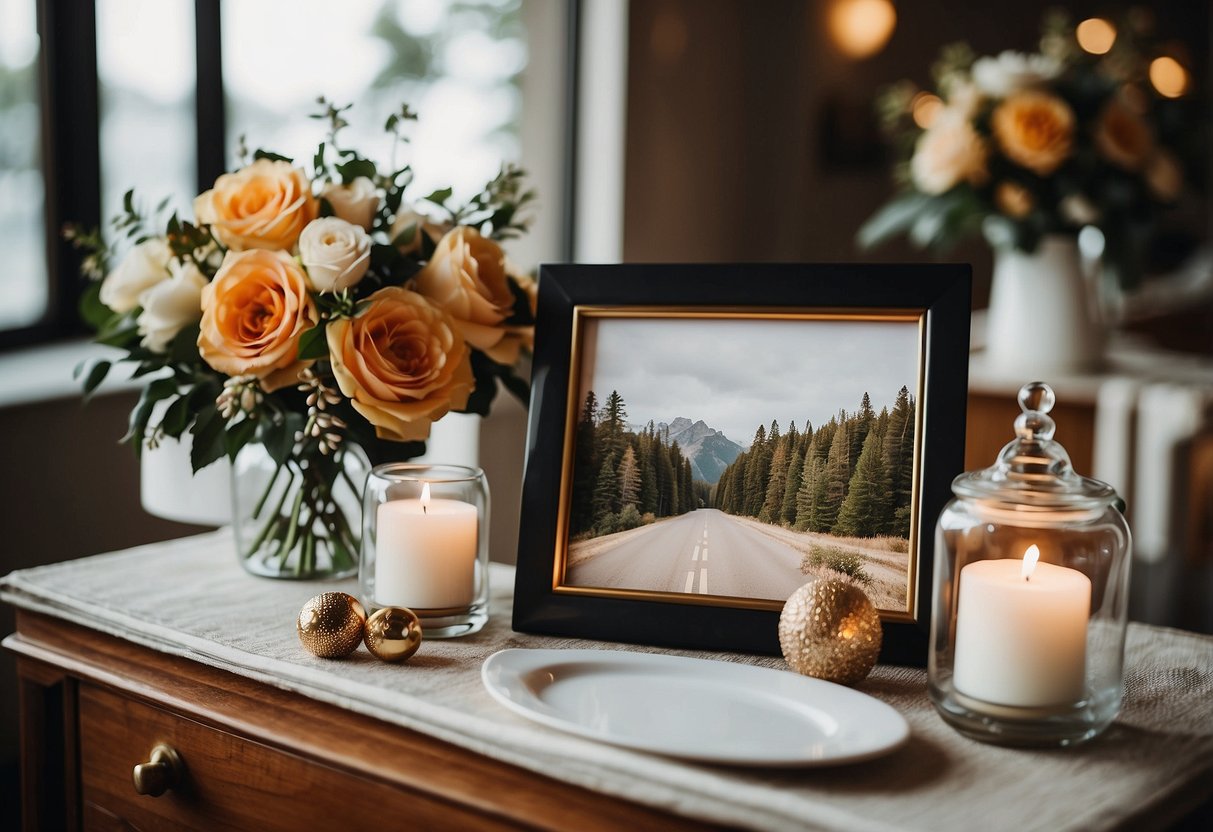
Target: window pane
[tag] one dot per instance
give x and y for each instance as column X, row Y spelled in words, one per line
column 23, row 283
column 455, row 62
column 145, row 69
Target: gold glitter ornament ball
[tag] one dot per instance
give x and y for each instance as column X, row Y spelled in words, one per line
column 330, row 625
column 393, row 634
column 829, row 630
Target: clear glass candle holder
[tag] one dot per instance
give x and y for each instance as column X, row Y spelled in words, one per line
column 425, row 545
column 1031, row 595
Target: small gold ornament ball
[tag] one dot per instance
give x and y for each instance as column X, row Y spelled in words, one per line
column 393, row 634
column 330, row 625
column 829, row 630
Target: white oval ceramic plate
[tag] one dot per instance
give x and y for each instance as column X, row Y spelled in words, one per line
column 698, row 709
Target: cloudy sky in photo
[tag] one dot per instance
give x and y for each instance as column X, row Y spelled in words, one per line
column 738, row 374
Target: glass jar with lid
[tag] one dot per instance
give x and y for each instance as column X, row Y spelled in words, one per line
column 1031, row 594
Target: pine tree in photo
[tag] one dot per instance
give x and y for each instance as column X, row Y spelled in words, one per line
column 757, row 469
column 612, row 424
column 648, row 475
column 606, row 491
column 867, row 508
column 811, row 495
column 772, row 506
column 737, row 485
column 666, row 480
column 899, row 460
column 585, row 467
column 674, row 455
column 861, row 423
column 629, row 479
column 787, row 511
column 837, row 477
column 689, row 501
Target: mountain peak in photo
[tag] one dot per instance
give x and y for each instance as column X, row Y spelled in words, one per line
column 709, row 450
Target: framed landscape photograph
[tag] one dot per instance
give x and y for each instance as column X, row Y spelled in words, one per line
column 706, row 439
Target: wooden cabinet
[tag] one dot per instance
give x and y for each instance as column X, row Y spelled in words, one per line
column 252, row 756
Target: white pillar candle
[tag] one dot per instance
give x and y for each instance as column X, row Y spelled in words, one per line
column 425, row 553
column 1021, row 632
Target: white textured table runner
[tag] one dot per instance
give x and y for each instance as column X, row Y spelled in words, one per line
column 190, row 598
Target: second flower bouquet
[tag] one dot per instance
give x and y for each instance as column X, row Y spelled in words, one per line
column 317, row 313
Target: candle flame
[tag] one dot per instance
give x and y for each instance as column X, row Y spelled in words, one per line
column 1029, row 561
column 425, row 498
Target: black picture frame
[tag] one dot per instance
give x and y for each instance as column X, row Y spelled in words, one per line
column 938, row 293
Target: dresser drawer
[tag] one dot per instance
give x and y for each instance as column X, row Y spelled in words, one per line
column 231, row 782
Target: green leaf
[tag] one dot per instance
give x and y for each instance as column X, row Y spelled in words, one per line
column 405, row 238
column 313, row 344
column 208, row 435
column 95, row 376
column 273, row 157
column 354, row 168
column 238, row 435
column 95, row 313
column 895, row 218
column 177, row 417
column 439, row 197
column 486, row 371
column 183, row 349
column 279, row 436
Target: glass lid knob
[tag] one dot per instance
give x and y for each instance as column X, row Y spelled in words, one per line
column 1036, row 399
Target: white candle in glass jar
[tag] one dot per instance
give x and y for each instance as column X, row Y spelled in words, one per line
column 425, row 553
column 1021, row 632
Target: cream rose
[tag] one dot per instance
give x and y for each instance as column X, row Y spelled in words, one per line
column 335, row 253
column 143, row 267
column 355, row 203
column 171, row 305
column 1034, row 129
column 1122, row 136
column 253, row 313
column 265, row 205
column 1013, row 71
column 948, row 153
column 401, row 362
column 406, row 218
column 467, row 277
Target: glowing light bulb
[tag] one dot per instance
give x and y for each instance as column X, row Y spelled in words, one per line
column 1096, row 35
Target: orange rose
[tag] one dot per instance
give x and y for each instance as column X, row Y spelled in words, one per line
column 467, row 278
column 253, row 313
column 1122, row 136
column 264, row 205
column 1035, row 129
column 1013, row 199
column 402, row 363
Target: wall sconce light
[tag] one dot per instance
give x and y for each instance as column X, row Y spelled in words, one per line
column 861, row 28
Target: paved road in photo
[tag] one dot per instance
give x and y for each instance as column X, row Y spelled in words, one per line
column 705, row 552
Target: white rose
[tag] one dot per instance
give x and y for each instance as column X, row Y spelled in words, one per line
column 143, row 267
column 355, row 203
column 1012, row 71
column 948, row 153
column 335, row 253
column 407, row 217
column 171, row 305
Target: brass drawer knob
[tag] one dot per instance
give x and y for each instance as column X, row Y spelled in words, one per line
column 159, row 774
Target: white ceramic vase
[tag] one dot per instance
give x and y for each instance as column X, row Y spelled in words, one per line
column 169, row 488
column 1041, row 321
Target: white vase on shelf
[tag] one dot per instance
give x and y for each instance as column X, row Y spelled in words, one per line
column 1042, row 319
column 169, row 488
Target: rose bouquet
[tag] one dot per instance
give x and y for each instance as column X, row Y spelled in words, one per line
column 318, row 316
column 1023, row 146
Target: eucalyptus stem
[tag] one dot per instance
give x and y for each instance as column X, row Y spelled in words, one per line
column 292, row 531
column 268, row 490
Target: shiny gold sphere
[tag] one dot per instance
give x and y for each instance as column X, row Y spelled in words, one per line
column 829, row 630
column 330, row 625
column 393, row 634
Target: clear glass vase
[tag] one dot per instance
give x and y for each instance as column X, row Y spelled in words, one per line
column 300, row 519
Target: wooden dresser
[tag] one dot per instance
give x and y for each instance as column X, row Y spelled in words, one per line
column 250, row 756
